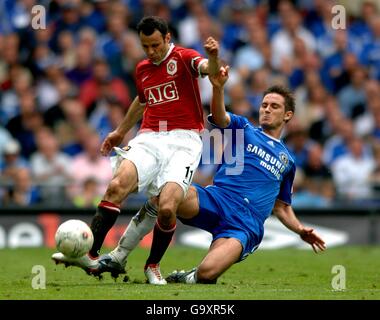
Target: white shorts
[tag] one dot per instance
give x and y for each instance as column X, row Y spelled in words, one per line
column 161, row 157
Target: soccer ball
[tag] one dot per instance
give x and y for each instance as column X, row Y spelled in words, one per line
column 74, row 238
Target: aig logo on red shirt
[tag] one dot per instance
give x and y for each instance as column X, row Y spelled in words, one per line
column 162, row 93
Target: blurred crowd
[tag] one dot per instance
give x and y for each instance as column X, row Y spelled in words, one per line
column 64, row 87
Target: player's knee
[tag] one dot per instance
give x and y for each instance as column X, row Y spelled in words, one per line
column 207, row 275
column 166, row 216
column 117, row 190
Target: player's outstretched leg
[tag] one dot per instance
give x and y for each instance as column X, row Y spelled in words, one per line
column 140, row 225
column 223, row 253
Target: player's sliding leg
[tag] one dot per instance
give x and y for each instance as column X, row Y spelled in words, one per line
column 139, row 226
column 170, row 197
column 223, row 253
column 123, row 183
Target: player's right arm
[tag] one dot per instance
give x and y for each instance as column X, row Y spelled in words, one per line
column 218, row 109
column 114, row 138
column 286, row 215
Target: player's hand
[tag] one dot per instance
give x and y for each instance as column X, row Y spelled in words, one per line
column 211, row 47
column 113, row 139
column 308, row 235
column 219, row 79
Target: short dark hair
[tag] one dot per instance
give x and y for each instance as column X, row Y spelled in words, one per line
column 290, row 103
column 149, row 24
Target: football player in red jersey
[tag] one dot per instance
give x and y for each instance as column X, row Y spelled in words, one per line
column 162, row 158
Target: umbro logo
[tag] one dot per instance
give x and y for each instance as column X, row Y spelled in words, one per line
column 271, row 143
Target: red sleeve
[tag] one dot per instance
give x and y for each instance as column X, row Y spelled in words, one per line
column 193, row 59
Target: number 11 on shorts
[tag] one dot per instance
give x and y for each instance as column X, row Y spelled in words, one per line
column 188, row 176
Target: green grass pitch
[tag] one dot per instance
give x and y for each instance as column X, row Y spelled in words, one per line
column 265, row 275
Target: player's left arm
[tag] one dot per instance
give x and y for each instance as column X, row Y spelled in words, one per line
column 211, row 65
column 286, row 215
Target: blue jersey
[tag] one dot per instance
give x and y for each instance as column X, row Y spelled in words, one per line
column 263, row 171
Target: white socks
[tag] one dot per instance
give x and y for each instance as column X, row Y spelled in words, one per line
column 140, row 225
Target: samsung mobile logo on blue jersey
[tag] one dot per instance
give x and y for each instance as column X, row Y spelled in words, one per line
column 273, row 164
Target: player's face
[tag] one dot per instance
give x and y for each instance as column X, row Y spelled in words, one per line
column 155, row 46
column 272, row 113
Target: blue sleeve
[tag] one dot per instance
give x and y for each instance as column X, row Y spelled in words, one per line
column 237, row 122
column 285, row 194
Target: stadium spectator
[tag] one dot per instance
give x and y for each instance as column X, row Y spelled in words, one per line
column 369, row 57
column 88, row 196
column 360, row 28
column 326, row 126
column 82, row 68
column 101, row 85
column 365, row 123
column 299, row 144
column 22, row 192
column 66, row 46
column 24, row 126
column 123, row 65
column 337, row 144
column 5, row 137
column 110, row 43
column 89, row 164
column 65, row 119
column 352, row 97
column 258, row 81
column 352, row 172
column 50, row 169
column 315, row 167
column 188, row 31
column 283, row 41
column 47, row 86
column 235, row 218
column 68, row 19
column 249, row 57
column 20, row 80
column 333, row 70
column 11, row 161
column 313, row 193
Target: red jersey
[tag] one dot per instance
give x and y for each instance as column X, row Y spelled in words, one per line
column 171, row 92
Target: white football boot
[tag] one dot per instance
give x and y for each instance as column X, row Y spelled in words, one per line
column 153, row 274
column 87, row 263
column 182, row 276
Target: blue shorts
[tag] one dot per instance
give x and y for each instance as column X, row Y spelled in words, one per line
column 227, row 216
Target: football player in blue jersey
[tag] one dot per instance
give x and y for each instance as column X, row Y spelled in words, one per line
column 236, row 206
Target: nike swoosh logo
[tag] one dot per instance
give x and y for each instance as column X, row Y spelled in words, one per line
column 143, row 79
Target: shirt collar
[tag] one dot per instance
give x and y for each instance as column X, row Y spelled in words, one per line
column 167, row 55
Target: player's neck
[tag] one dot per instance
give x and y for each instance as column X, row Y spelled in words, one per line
column 169, row 49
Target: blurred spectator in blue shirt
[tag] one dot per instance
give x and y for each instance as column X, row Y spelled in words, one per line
column 22, row 192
